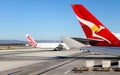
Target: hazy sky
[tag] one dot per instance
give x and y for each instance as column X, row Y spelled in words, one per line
column 51, row 19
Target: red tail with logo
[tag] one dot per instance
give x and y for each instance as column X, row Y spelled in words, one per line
column 93, row 28
column 31, row 41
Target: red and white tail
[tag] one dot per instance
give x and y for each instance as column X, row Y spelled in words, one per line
column 93, row 28
column 30, row 40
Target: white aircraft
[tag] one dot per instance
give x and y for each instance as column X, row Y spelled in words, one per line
column 54, row 46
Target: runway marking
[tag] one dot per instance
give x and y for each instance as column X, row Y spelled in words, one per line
column 13, row 72
column 67, row 71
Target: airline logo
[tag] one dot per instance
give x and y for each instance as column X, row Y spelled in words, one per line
column 31, row 41
column 94, row 28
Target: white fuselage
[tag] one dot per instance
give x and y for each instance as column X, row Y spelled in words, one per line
column 51, row 45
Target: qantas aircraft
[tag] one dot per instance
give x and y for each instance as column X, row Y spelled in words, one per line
column 97, row 34
column 44, row 45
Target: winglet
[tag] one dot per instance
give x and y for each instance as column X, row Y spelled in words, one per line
column 71, row 43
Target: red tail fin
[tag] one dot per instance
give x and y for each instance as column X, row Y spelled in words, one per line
column 93, row 28
column 30, row 40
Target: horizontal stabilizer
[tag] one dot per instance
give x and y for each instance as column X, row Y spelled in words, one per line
column 86, row 39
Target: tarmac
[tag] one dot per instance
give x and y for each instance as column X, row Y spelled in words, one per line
column 35, row 61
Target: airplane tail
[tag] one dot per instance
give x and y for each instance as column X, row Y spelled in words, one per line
column 93, row 28
column 30, row 40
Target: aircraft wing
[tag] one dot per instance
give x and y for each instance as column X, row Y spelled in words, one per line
column 73, row 43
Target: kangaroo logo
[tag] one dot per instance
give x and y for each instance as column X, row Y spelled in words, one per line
column 94, row 28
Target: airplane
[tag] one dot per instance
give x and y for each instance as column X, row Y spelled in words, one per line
column 98, row 37
column 54, row 46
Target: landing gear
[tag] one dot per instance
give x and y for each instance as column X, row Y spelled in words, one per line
column 58, row 48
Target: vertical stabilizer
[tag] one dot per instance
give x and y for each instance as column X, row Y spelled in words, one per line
column 30, row 40
column 93, row 28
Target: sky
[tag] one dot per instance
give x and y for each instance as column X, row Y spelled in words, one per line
column 51, row 19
